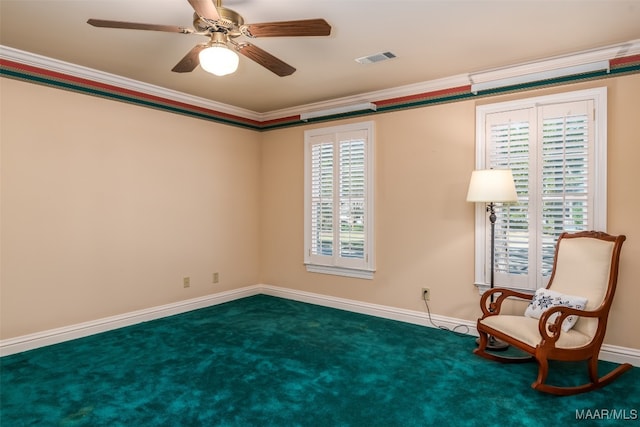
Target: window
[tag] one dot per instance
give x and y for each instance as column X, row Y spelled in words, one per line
column 556, row 148
column 339, row 200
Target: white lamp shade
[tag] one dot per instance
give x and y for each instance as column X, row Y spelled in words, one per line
column 492, row 185
column 218, row 60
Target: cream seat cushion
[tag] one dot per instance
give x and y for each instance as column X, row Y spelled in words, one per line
column 525, row 329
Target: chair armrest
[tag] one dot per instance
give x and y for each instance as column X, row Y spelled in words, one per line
column 492, row 308
column 550, row 332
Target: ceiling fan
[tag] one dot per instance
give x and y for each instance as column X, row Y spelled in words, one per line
column 223, row 26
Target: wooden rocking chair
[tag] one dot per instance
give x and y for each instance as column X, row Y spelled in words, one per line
column 585, row 266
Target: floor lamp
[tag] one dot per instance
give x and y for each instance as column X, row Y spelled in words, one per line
column 492, row 186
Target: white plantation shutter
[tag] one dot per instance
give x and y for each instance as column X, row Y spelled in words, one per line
column 558, row 160
column 352, row 196
column 509, row 136
column 566, row 196
column 322, row 195
column 338, row 200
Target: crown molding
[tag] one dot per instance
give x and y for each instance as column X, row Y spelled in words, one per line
column 387, row 99
column 66, row 68
column 79, row 71
column 375, row 96
column 577, row 59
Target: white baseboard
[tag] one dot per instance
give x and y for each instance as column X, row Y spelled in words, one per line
column 408, row 316
column 71, row 332
column 617, row 354
column 609, row 353
column 10, row 346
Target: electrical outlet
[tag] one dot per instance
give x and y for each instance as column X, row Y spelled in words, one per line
column 216, row 277
column 426, row 294
column 186, row 282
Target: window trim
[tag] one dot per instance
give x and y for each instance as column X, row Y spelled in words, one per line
column 599, row 98
column 336, row 268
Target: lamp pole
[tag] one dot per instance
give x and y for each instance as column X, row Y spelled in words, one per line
column 493, row 343
column 491, row 186
column 492, row 220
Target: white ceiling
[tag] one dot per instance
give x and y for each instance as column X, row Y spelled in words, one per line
column 432, row 40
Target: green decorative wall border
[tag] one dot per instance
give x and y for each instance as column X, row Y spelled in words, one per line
column 39, row 75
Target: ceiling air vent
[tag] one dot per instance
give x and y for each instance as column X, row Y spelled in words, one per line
column 376, row 57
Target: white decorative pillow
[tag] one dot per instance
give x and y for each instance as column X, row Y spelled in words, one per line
column 546, row 298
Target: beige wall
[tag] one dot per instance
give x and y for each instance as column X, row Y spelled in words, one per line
column 424, row 226
column 107, row 206
column 176, row 199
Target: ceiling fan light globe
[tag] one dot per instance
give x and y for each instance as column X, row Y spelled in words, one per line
column 218, row 60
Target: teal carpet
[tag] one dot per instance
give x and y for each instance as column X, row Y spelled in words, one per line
column 265, row 361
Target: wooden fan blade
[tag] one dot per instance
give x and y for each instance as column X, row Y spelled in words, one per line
column 205, row 9
column 305, row 27
column 190, row 60
column 138, row 26
column 265, row 59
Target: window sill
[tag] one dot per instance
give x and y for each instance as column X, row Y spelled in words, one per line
column 340, row 271
column 484, row 287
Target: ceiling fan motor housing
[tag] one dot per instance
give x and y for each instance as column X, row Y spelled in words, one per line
column 230, row 22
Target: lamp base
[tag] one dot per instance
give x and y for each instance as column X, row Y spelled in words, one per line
column 494, row 344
